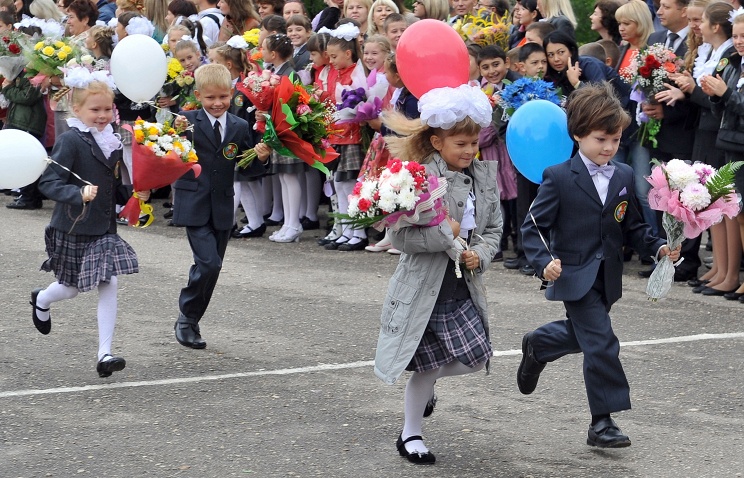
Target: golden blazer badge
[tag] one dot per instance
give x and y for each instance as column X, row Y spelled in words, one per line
column 722, row 64
column 620, row 211
column 230, row 151
column 238, row 101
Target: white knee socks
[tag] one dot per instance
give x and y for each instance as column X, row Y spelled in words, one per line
column 107, row 306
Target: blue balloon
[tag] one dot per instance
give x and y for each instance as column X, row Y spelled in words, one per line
column 537, row 137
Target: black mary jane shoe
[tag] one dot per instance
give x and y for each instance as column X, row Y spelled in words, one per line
column 334, row 245
column 270, row 222
column 427, row 458
column 699, row 289
column 358, row 246
column 43, row 326
column 258, row 232
column 308, row 224
column 106, row 367
column 733, row 295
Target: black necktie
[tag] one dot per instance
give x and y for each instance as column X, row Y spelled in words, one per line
column 672, row 39
column 217, row 134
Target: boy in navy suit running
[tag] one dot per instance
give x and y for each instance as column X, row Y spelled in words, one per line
column 204, row 204
column 585, row 208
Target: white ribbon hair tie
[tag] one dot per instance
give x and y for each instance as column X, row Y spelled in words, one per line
column 81, row 77
column 347, row 31
column 445, row 107
column 735, row 13
column 238, row 42
column 140, row 25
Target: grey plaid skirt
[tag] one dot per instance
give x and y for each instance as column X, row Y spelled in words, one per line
column 455, row 332
column 83, row 262
column 350, row 161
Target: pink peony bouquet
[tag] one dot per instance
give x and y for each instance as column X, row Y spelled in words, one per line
column 692, row 197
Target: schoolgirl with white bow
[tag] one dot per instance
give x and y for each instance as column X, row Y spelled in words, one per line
column 84, row 250
column 726, row 90
column 434, row 323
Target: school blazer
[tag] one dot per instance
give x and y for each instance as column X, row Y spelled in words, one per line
column 301, row 59
column 209, row 197
column 79, row 152
column 582, row 232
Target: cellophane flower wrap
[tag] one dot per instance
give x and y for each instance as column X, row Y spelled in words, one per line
column 362, row 103
column 298, row 125
column 401, row 196
column 692, row 197
column 259, row 89
column 46, row 56
column 12, row 60
column 484, row 28
column 647, row 72
column 160, row 155
column 523, row 90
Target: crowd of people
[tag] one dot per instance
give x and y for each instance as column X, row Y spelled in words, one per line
column 438, row 328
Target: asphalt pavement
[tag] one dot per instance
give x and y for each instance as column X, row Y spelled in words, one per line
column 285, row 387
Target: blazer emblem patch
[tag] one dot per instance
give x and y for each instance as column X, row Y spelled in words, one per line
column 722, row 64
column 620, row 211
column 230, row 151
column 238, row 101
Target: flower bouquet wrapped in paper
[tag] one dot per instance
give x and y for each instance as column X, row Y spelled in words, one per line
column 159, row 157
column 297, row 126
column 363, row 103
column 692, row 198
column 647, row 73
column 259, row 89
column 46, row 57
column 12, row 61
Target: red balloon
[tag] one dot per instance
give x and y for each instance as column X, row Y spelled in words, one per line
column 430, row 54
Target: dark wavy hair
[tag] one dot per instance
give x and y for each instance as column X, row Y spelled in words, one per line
column 609, row 22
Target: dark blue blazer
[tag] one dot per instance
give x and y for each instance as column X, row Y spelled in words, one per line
column 209, row 197
column 582, row 232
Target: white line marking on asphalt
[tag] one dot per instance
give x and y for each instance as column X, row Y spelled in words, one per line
column 323, row 367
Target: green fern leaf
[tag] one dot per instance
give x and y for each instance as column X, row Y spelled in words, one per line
column 721, row 183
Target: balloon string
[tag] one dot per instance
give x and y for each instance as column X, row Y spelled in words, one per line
column 50, row 160
column 545, row 283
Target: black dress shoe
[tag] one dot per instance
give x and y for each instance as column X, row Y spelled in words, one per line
column 188, row 335
column 717, row 292
column 430, row 405
column 527, row 270
column 22, row 204
column 43, row 326
column 513, row 263
column 696, row 282
column 733, row 295
column 309, row 225
column 699, row 289
column 529, row 369
column 606, row 434
column 168, row 205
column 358, row 246
column 258, row 232
column 741, row 299
column 333, row 245
column 168, row 214
column 270, row 222
column 427, row 458
column 106, row 367
column 646, row 274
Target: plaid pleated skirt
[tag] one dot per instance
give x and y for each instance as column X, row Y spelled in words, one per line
column 455, row 332
column 350, row 161
column 83, row 262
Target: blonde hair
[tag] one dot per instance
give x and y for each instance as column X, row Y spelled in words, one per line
column 214, row 75
column 79, row 95
column 414, row 142
column 371, row 27
column 637, row 11
column 436, row 9
column 187, row 45
column 45, row 9
column 380, row 40
column 555, row 8
column 155, row 11
column 136, row 6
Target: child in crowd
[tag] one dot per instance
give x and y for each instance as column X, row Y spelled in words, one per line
column 6, row 22
column 394, row 26
column 438, row 327
column 474, row 72
column 533, row 62
column 100, row 44
column 184, row 31
column 247, row 183
column 586, row 209
column 299, row 31
column 376, row 50
column 536, row 32
column 84, row 249
column 513, row 56
column 204, row 204
column 494, row 68
column 343, row 54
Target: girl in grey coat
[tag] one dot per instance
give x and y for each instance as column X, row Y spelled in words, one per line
column 433, row 323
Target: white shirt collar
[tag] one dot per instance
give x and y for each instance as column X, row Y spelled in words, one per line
column 222, row 120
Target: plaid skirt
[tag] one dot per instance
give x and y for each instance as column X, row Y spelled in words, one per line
column 350, row 159
column 455, row 332
column 83, row 262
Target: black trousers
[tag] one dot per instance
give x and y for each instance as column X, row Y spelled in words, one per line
column 208, row 247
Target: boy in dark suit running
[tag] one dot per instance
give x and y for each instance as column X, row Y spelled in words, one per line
column 205, row 204
column 584, row 210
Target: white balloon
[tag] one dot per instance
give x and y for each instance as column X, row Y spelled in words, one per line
column 22, row 159
column 139, row 67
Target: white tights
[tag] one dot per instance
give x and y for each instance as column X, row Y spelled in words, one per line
column 291, row 199
column 343, row 190
column 419, row 389
column 107, row 305
column 248, row 193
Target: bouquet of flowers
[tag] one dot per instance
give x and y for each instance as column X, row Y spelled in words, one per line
column 297, row 126
column 526, row 89
column 251, row 38
column 177, row 81
column 12, row 61
column 46, row 57
column 484, row 28
column 692, row 198
column 160, row 155
column 259, row 89
column 363, row 103
column 646, row 74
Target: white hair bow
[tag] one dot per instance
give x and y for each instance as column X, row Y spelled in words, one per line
column 347, row 31
column 238, row 42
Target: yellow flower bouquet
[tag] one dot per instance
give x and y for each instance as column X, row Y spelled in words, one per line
column 484, row 28
column 47, row 56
